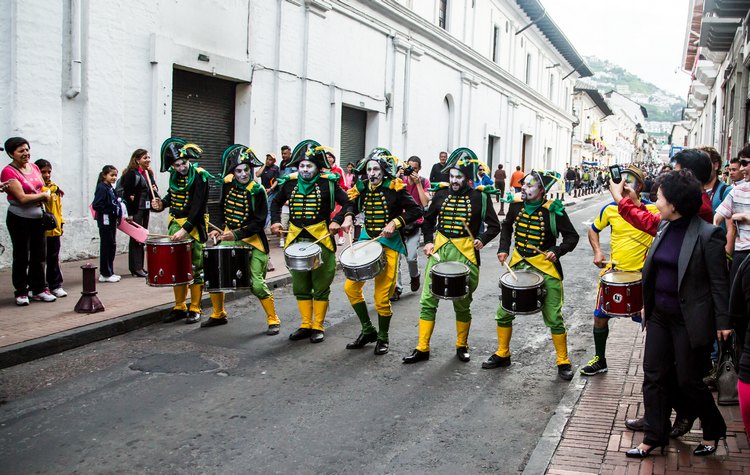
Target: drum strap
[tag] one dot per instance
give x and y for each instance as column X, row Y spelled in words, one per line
column 552, row 218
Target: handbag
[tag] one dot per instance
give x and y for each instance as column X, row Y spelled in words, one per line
column 726, row 373
column 49, row 222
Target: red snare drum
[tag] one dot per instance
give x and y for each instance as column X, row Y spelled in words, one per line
column 170, row 263
column 621, row 293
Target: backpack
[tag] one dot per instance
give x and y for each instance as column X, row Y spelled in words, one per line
column 119, row 190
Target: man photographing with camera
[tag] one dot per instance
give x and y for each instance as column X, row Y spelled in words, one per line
column 417, row 187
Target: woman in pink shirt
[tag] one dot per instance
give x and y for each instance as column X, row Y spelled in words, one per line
column 23, row 183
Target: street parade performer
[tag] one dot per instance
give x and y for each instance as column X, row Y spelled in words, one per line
column 387, row 208
column 312, row 196
column 186, row 199
column 244, row 206
column 457, row 211
column 629, row 247
column 535, row 224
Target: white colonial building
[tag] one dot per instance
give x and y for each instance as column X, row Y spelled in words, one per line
column 87, row 82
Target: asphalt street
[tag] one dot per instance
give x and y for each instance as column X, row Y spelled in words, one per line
column 173, row 398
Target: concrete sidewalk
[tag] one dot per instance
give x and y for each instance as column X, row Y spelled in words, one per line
column 594, row 438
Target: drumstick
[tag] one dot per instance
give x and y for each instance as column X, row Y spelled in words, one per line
column 513, row 274
column 150, row 186
column 639, row 242
column 539, row 250
column 319, row 239
column 216, row 228
column 466, row 227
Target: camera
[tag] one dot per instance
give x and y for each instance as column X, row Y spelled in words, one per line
column 408, row 171
column 616, row 172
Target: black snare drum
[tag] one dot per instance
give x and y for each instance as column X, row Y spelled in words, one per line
column 523, row 296
column 226, row 268
column 450, row 280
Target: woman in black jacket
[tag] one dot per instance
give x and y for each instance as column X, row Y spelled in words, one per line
column 137, row 197
column 685, row 295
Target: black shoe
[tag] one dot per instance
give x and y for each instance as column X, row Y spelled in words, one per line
column 193, row 317
column 416, row 356
column 495, row 361
column 462, row 352
column 300, row 334
column 636, row 425
column 273, row 329
column 381, row 347
column 316, row 336
column 175, row 315
column 565, row 371
column 637, row 453
column 414, row 283
column 396, row 295
column 139, row 273
column 703, row 450
column 362, row 340
column 214, row 322
column 681, row 426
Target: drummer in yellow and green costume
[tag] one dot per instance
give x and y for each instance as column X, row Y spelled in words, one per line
column 186, row 199
column 455, row 207
column 387, row 208
column 244, row 207
column 535, row 223
column 312, row 197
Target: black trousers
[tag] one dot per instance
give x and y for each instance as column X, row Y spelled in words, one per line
column 29, row 245
column 107, row 248
column 668, row 354
column 54, row 274
column 135, row 248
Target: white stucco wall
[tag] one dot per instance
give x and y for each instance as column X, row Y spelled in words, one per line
column 297, row 62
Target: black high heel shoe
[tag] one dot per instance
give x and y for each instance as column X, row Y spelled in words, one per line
column 637, row 453
column 705, row 450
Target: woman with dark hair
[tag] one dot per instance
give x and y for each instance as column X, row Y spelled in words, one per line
column 23, row 182
column 136, row 180
column 685, row 295
column 108, row 215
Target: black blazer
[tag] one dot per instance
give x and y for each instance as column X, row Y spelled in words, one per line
column 703, row 287
column 106, row 203
column 135, row 185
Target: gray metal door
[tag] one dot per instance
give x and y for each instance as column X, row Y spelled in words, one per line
column 203, row 113
column 353, row 131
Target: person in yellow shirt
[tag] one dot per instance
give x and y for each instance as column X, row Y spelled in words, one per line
column 629, row 248
column 54, row 205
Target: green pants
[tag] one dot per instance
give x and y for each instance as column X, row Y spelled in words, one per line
column 429, row 303
column 197, row 254
column 551, row 308
column 315, row 284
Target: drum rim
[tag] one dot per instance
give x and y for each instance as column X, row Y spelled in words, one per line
column 167, row 242
column 206, row 248
column 526, row 287
column 347, row 250
column 463, row 273
column 621, row 284
column 317, row 252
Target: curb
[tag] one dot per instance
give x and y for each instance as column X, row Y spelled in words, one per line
column 545, row 449
column 58, row 342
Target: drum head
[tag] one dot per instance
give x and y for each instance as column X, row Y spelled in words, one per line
column 450, row 268
column 163, row 241
column 302, row 249
column 361, row 253
column 621, row 277
column 526, row 278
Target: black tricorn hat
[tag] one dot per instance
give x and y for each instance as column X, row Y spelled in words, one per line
column 174, row 149
column 237, row 154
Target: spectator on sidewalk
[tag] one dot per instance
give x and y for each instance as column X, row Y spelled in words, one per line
column 570, row 180
column 54, row 206
column 500, row 177
column 736, row 176
column 286, row 169
column 269, row 173
column 108, row 216
column 436, row 174
column 342, row 183
column 685, row 307
column 24, row 185
column 516, row 178
column 138, row 189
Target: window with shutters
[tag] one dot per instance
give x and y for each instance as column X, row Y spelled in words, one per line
column 353, row 134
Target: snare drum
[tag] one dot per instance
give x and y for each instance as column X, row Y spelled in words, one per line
column 363, row 261
column 170, row 263
column 523, row 296
column 450, row 280
column 621, row 293
column 226, row 268
column 302, row 256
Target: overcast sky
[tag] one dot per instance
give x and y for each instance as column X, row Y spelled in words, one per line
column 646, row 37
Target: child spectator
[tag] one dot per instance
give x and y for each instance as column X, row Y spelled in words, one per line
column 108, row 215
column 54, row 206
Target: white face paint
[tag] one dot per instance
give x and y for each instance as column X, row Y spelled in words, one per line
column 242, row 173
column 181, row 166
column 531, row 189
column 307, row 169
column 374, row 172
column 456, row 179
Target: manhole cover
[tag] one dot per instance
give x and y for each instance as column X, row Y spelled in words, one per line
column 174, row 363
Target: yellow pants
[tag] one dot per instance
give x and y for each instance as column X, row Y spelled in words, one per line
column 384, row 285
